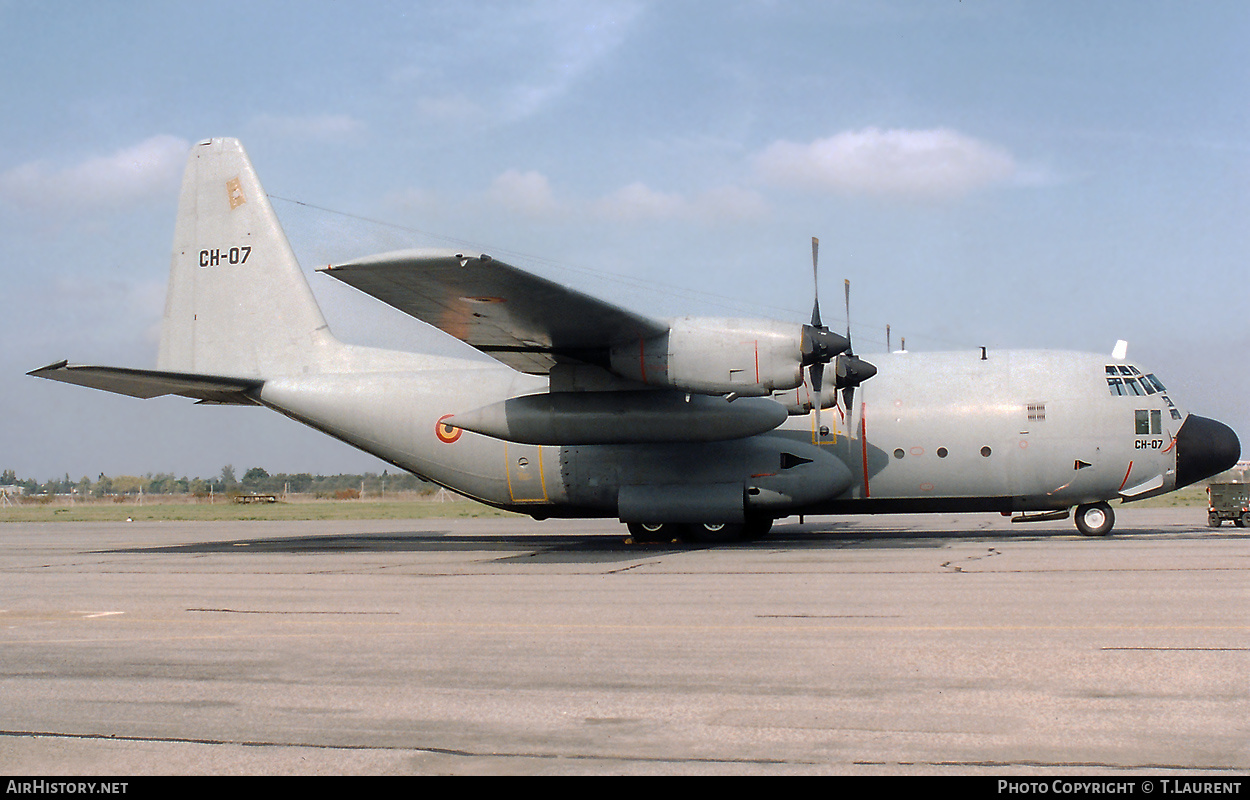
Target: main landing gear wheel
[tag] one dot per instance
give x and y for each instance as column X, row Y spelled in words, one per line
column 705, row 533
column 729, row 532
column 1094, row 519
column 654, row 531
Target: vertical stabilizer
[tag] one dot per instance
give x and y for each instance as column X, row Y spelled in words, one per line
column 238, row 304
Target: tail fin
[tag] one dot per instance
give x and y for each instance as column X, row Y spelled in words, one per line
column 238, row 304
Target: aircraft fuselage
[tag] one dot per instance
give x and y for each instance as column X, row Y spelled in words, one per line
column 1013, row 431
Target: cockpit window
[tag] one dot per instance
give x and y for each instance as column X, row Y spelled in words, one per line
column 1126, row 380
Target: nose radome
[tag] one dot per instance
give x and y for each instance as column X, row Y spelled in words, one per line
column 1204, row 447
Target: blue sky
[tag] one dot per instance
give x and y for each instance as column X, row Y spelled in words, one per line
column 1008, row 174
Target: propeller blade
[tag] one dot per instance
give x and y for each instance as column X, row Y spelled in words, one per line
column 818, row 373
column 815, row 285
column 848, row 314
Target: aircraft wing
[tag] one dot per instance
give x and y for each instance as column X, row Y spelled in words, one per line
column 527, row 322
column 145, row 383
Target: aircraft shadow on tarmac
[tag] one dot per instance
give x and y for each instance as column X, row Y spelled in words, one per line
column 605, row 546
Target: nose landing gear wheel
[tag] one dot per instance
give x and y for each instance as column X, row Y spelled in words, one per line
column 1094, row 519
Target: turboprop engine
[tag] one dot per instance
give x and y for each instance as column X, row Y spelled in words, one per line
column 725, row 356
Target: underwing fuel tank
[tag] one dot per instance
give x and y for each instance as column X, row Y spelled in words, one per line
column 632, row 417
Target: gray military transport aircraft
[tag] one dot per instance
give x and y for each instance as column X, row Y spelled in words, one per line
column 706, row 429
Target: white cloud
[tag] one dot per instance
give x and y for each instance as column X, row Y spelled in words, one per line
column 929, row 164
column 526, row 193
column 567, row 39
column 151, row 167
column 510, row 61
column 637, row 201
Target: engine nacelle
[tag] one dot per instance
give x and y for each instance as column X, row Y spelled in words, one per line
column 713, row 355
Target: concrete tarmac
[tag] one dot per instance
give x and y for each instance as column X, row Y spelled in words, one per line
column 947, row 644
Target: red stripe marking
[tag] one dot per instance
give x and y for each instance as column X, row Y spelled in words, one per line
column 1130, row 469
column 863, row 442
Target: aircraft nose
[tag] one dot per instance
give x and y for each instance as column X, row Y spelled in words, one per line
column 1204, row 447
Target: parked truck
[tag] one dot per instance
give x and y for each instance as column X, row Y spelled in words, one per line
column 1229, row 501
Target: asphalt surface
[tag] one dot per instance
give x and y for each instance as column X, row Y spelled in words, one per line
column 956, row 644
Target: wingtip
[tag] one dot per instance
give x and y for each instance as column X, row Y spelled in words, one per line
column 62, row 364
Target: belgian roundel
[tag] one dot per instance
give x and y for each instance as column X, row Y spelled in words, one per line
column 446, row 433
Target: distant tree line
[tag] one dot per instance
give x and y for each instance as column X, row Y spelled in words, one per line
column 256, row 480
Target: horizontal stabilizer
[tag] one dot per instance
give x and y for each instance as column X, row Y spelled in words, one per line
column 145, row 383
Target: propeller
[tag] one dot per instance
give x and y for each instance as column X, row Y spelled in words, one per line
column 820, row 345
column 851, row 370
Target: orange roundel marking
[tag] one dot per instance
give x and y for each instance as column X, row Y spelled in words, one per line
column 446, row 433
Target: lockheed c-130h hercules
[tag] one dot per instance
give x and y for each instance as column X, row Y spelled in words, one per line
column 708, row 429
